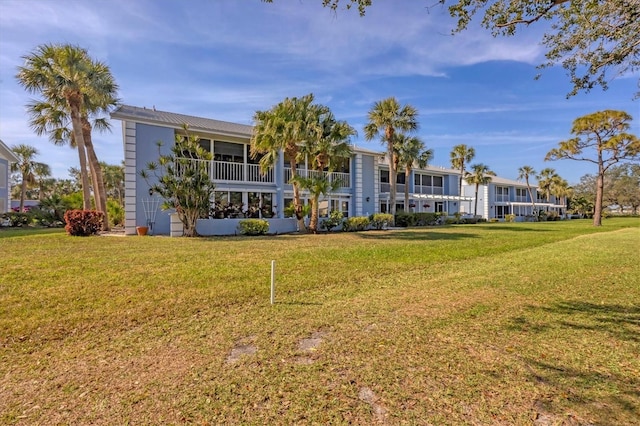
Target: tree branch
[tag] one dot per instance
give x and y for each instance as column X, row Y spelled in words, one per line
column 553, row 4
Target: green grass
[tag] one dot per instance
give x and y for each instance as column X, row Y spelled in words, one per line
column 471, row 324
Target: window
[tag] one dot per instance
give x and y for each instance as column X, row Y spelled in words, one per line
column 502, row 194
column 228, row 152
column 3, row 177
column 502, row 211
column 439, row 206
column 437, row 181
column 205, row 144
column 344, row 207
column 384, row 176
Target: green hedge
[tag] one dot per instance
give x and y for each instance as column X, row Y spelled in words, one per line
column 253, row 227
column 357, row 223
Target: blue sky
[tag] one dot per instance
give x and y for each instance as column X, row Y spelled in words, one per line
column 225, row 59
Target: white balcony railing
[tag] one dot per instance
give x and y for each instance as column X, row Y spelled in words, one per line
column 343, row 179
column 502, row 198
column 426, row 189
column 227, row 171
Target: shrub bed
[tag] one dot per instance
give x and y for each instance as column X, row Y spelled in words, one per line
column 82, row 223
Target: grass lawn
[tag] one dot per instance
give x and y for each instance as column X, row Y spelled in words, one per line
column 523, row 323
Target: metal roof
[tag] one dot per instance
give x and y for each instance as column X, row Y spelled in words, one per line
column 171, row 119
column 6, row 152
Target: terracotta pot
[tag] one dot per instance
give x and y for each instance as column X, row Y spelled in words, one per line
column 142, row 230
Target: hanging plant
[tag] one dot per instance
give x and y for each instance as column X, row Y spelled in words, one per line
column 426, row 205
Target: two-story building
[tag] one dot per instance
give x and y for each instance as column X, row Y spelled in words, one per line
column 502, row 197
column 243, row 190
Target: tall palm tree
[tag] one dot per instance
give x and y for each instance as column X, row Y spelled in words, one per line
column 69, row 80
column 545, row 181
column 53, row 116
column 525, row 172
column 480, row 175
column 461, row 155
column 284, row 129
column 411, row 150
column 324, row 154
column 25, row 166
column 385, row 118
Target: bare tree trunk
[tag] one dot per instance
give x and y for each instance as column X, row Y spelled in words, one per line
column 96, row 174
column 82, row 155
column 597, row 213
column 297, row 204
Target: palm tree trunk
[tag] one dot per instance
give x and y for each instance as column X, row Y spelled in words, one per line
column 313, row 222
column 96, row 173
column 76, row 123
column 407, row 174
column 393, row 177
column 475, row 207
column 23, row 192
column 296, row 198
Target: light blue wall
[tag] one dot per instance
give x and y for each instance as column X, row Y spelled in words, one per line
column 368, row 184
column 4, row 192
column 147, row 150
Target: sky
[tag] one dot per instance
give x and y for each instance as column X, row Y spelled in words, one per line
column 227, row 59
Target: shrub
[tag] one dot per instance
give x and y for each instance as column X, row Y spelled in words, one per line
column 16, row 219
column 82, row 223
column 426, row 219
column 253, row 227
column 334, row 220
column 405, row 219
column 380, row 220
column 494, row 220
column 116, row 212
column 357, row 223
column 510, row 217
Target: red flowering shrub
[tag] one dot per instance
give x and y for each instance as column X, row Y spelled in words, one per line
column 82, row 223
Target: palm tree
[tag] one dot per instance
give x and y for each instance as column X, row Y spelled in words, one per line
column 284, row 129
column 525, row 172
column 387, row 117
column 41, row 172
column 480, row 175
column 25, row 166
column 561, row 190
column 95, row 92
column 75, row 86
column 411, row 150
column 545, row 180
column 461, row 155
column 324, row 154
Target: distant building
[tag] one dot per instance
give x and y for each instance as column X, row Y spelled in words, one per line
column 6, row 158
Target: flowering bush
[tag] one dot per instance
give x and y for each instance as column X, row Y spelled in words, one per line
column 82, row 223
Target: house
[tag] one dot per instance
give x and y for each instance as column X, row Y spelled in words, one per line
column 6, row 158
column 502, row 197
column 242, row 190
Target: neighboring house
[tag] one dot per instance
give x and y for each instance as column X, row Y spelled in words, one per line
column 6, row 158
column 241, row 188
column 503, row 197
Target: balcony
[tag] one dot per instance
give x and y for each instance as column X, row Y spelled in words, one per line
column 343, row 179
column 502, row 198
column 230, row 172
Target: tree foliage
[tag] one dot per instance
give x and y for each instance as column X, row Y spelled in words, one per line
column 284, row 129
column 181, row 178
column 385, row 119
column 480, row 174
column 594, row 40
column 601, row 139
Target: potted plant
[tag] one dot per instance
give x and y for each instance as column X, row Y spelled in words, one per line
column 142, row 230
